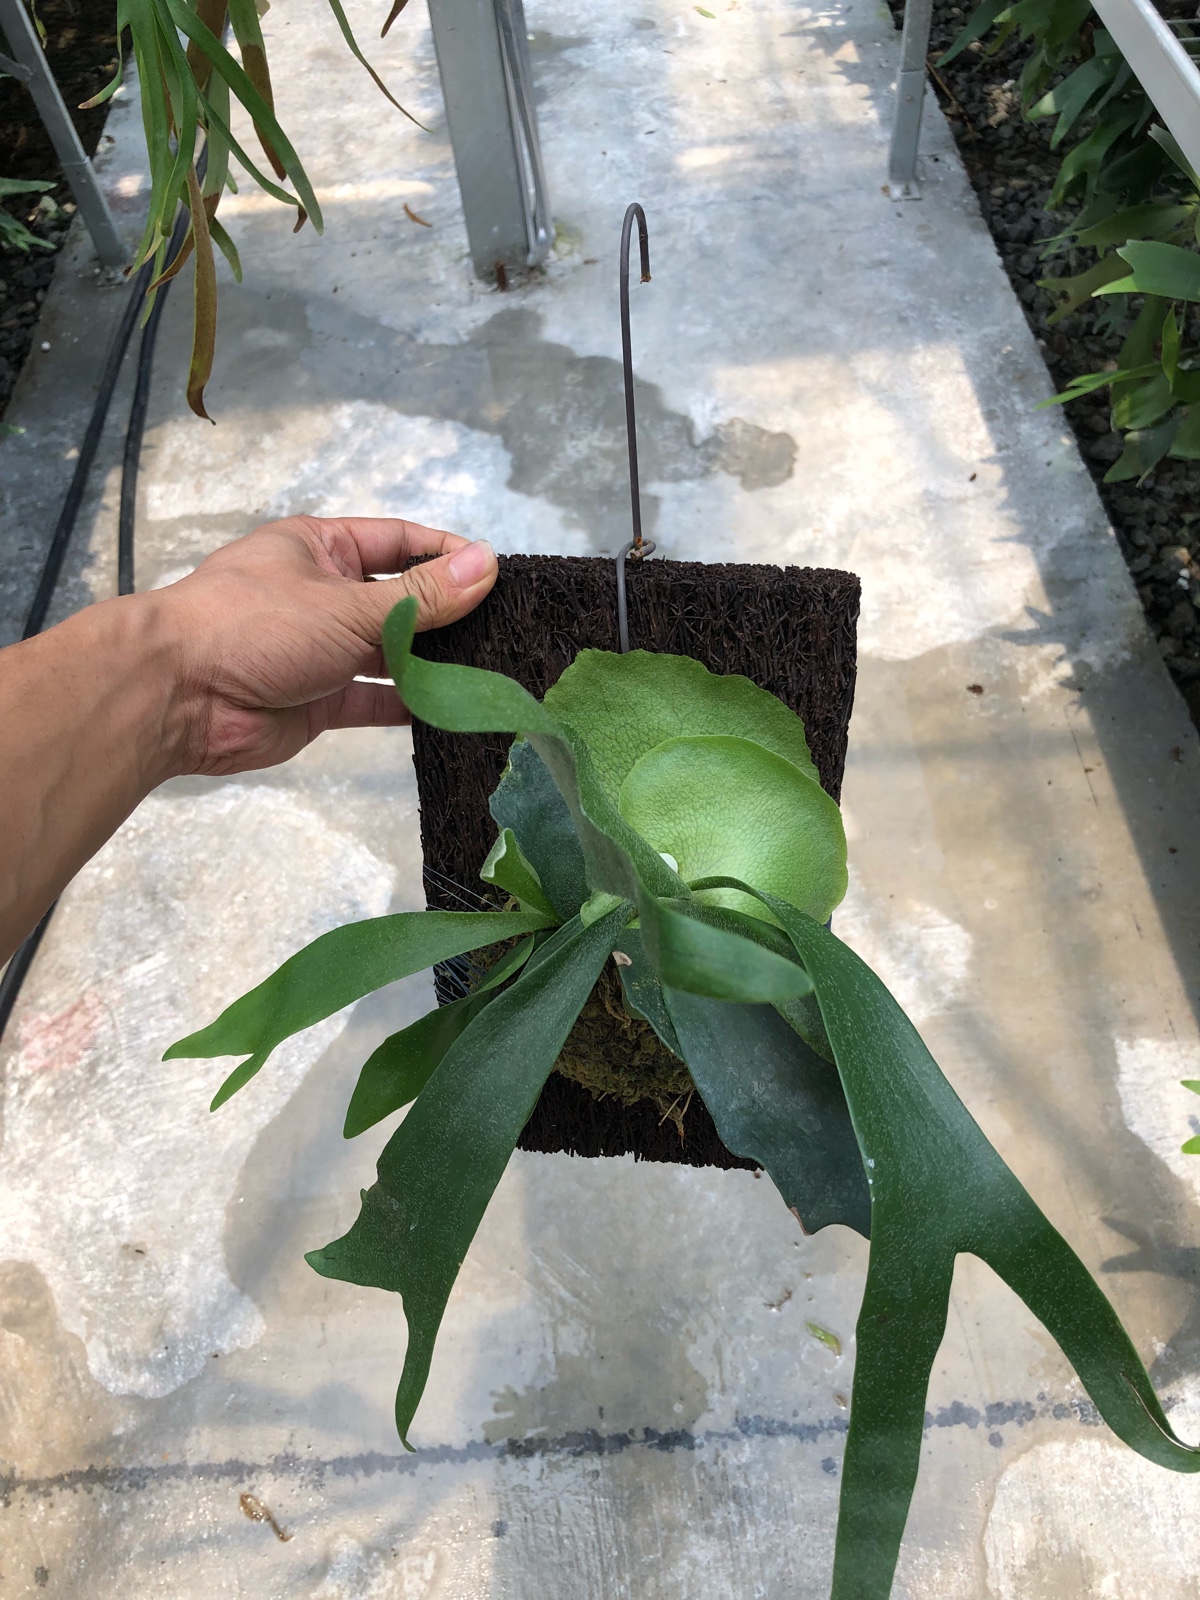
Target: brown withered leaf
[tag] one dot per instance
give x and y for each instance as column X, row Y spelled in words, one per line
column 204, row 326
column 397, row 8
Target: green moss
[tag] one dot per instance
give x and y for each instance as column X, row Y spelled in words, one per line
column 613, row 1054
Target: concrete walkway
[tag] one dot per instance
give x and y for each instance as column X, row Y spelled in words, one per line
column 636, row 1393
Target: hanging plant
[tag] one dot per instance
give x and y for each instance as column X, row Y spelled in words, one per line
column 187, row 91
column 666, row 826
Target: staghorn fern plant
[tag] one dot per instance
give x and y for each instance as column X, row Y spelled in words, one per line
column 671, row 821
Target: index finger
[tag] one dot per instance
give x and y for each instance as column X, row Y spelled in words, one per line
column 388, row 544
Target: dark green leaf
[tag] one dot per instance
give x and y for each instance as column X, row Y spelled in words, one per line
column 1143, row 451
column 339, row 967
column 981, row 20
column 643, row 993
column 1185, row 446
column 395, row 1073
column 938, row 1189
column 527, row 801
column 1069, row 99
column 778, row 1103
column 1151, row 220
column 440, row 1167
column 1072, row 292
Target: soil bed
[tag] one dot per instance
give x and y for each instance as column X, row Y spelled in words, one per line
column 791, row 630
column 1012, row 168
column 81, row 47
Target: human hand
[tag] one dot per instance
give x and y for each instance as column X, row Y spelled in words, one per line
column 271, row 631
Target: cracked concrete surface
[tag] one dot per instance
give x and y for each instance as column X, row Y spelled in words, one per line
column 629, row 1397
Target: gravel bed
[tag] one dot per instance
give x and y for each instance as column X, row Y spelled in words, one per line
column 81, row 46
column 1012, row 168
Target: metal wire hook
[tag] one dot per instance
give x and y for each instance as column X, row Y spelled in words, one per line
column 637, row 548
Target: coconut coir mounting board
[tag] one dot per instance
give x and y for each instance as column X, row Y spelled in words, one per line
column 792, row 630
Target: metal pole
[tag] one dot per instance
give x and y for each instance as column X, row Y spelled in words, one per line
column 484, row 65
column 910, row 99
column 30, row 67
column 1162, row 66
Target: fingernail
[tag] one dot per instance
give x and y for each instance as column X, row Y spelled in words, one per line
column 470, row 563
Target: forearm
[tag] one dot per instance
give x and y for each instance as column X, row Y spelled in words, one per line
column 90, row 722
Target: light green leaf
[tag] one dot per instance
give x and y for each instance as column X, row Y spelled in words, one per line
column 716, row 800
column 339, row 967
column 508, row 869
column 395, row 1073
column 631, row 703
column 439, row 1169
column 1143, row 405
column 1157, row 268
column 470, row 700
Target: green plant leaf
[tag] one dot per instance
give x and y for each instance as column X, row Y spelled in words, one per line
column 1163, row 269
column 981, row 20
column 700, row 956
column 778, row 1103
column 1192, row 1147
column 715, row 959
column 1089, row 382
column 1069, row 99
column 719, row 804
column 938, row 1189
column 631, row 703
column 1072, row 292
column 527, row 801
column 1084, row 160
column 1151, row 220
column 508, row 869
column 441, row 1166
column 1143, row 451
column 339, row 967
column 395, row 1073
column 1144, row 404
column 264, row 118
column 1171, row 337
column 1185, row 446
column 470, row 700
column 643, row 993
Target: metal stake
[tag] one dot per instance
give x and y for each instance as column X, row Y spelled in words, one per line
column 31, row 68
column 637, row 549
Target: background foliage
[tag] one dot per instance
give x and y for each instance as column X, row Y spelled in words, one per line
column 1132, row 207
column 187, row 94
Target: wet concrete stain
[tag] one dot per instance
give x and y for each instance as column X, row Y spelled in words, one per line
column 559, row 415
column 585, row 1442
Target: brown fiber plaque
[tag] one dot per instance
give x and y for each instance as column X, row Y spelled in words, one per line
column 790, row 629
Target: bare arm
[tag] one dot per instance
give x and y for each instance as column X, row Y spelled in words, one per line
column 237, row 666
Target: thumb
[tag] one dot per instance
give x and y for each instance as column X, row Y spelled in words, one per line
column 445, row 589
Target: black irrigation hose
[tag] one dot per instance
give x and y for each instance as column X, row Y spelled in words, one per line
column 18, row 967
